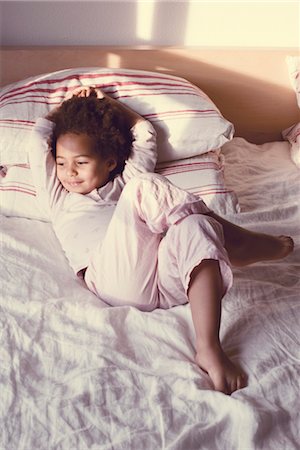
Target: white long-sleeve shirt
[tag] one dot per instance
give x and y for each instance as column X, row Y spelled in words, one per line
column 80, row 221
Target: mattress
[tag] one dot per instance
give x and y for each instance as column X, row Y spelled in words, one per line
column 76, row 374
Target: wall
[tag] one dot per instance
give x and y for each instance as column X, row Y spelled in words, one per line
column 234, row 50
column 272, row 24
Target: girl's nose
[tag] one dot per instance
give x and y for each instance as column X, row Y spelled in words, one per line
column 71, row 170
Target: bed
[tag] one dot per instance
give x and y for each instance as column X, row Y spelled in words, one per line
column 77, row 374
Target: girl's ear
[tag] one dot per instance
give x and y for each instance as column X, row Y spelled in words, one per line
column 111, row 164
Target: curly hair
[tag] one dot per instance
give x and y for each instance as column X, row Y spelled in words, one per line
column 101, row 121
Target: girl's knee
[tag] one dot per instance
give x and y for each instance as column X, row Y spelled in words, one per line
column 200, row 223
column 135, row 185
column 143, row 178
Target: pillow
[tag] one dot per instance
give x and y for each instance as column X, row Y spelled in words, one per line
column 18, row 194
column 202, row 175
column 292, row 134
column 293, row 63
column 186, row 120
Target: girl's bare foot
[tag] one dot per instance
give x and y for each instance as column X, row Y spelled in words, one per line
column 246, row 247
column 254, row 247
column 225, row 376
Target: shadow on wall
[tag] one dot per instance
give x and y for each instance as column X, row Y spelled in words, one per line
column 93, row 23
column 259, row 109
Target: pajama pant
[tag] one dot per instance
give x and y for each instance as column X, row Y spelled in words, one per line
column 158, row 234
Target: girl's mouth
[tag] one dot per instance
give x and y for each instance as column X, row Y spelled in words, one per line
column 74, row 183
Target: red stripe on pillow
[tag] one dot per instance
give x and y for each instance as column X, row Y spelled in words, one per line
column 154, row 86
column 61, row 98
column 115, row 94
column 24, row 90
column 177, row 170
column 49, row 91
column 185, row 112
column 169, row 165
column 18, row 189
column 75, row 75
column 14, row 127
column 292, row 136
column 20, row 121
column 216, row 190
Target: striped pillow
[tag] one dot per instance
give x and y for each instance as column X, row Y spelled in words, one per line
column 202, row 175
column 186, row 120
column 18, row 194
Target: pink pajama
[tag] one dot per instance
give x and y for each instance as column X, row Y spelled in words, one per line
column 157, row 235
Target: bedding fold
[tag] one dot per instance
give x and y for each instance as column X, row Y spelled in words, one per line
column 76, row 374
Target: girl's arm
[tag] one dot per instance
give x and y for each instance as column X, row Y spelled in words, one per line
column 143, row 155
column 132, row 116
column 42, row 165
column 85, row 91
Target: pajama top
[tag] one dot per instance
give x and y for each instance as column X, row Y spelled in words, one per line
column 80, row 221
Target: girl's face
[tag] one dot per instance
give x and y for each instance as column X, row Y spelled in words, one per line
column 79, row 168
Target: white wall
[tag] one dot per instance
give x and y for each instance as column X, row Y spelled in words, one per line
column 176, row 23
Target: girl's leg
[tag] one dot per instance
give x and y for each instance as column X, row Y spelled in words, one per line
column 247, row 247
column 193, row 266
column 123, row 269
column 205, row 293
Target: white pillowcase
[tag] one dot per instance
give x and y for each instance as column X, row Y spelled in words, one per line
column 18, row 194
column 293, row 63
column 202, row 175
column 187, row 122
column 292, row 134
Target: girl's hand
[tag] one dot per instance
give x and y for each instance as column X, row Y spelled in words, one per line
column 81, row 91
column 51, row 114
column 85, row 91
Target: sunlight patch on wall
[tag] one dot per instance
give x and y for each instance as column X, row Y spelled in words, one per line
column 164, row 69
column 113, row 60
column 144, row 20
column 243, row 24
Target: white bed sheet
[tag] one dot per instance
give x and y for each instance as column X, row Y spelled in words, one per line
column 76, row 375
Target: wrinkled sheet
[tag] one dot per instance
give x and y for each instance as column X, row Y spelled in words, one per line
column 77, row 375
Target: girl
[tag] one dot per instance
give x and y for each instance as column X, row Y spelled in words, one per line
column 135, row 238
